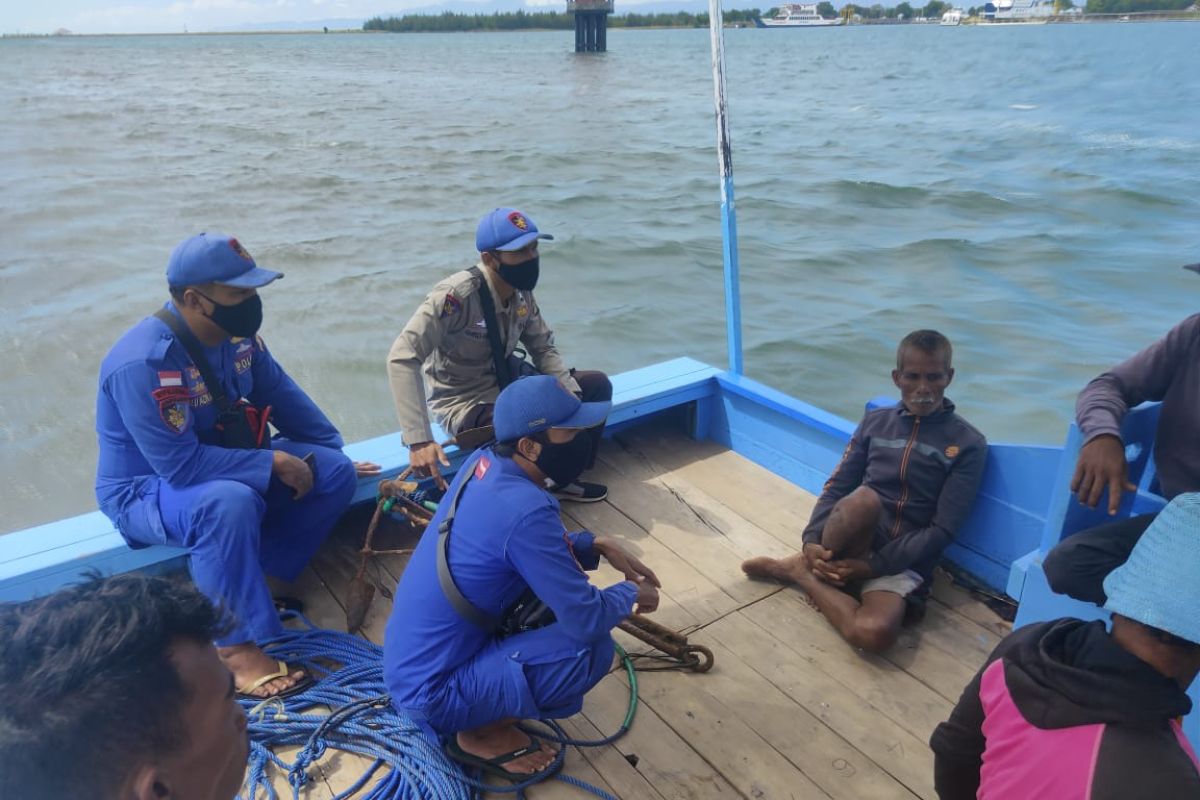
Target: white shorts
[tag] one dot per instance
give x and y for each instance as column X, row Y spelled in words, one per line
column 903, row 584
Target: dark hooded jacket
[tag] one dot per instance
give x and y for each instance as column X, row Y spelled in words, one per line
column 1061, row 711
column 926, row 471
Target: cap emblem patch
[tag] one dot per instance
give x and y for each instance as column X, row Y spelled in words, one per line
column 518, row 220
column 241, row 251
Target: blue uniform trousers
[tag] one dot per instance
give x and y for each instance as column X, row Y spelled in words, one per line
column 540, row 674
column 234, row 535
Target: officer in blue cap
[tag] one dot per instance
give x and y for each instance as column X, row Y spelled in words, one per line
column 187, row 459
column 494, row 620
column 460, row 348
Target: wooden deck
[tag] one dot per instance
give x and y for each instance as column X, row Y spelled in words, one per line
column 789, row 710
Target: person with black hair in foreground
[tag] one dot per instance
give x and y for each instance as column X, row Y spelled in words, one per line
column 113, row 689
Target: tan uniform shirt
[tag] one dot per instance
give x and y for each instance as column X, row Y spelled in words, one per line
column 448, row 337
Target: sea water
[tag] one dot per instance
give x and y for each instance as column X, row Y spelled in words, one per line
column 1031, row 191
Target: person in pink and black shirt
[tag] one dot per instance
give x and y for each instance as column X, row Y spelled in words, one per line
column 1067, row 709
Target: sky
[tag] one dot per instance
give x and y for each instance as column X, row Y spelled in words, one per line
column 172, row 16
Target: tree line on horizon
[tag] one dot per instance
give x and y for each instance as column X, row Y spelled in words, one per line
column 449, row 21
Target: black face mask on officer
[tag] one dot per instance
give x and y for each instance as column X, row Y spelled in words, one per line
column 523, row 276
column 563, row 463
column 240, row 319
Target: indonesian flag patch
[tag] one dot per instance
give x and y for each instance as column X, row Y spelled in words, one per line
column 481, row 467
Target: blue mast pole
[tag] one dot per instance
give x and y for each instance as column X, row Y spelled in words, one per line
column 729, row 250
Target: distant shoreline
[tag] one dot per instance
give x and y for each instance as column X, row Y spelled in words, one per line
column 1144, row 16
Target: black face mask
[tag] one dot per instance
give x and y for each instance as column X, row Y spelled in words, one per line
column 565, row 462
column 240, row 319
column 523, row 276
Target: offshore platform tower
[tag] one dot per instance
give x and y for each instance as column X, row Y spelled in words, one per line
column 591, row 24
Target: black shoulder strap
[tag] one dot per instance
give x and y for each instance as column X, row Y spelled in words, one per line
column 465, row 608
column 196, row 353
column 499, row 360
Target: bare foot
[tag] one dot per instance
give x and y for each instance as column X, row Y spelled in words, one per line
column 503, row 737
column 788, row 570
column 806, row 578
column 248, row 663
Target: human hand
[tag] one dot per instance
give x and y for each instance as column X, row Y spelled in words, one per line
column 647, row 596
column 292, row 472
column 844, row 571
column 1101, row 465
column 366, row 469
column 423, row 459
column 815, row 555
column 628, row 564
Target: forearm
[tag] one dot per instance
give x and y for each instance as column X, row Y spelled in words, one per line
column 584, row 549
column 846, row 477
column 297, row 417
column 549, row 362
column 816, row 523
column 1146, row 375
column 1100, row 407
column 197, row 463
column 957, row 760
column 408, row 393
column 587, row 618
column 538, row 341
column 910, row 549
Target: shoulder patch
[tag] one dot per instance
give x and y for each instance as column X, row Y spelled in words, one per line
column 451, row 306
column 174, row 406
column 482, row 467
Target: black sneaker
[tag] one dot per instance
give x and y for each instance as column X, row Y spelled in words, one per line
column 581, row 492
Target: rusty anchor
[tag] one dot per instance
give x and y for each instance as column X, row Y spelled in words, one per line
column 679, row 654
column 392, row 493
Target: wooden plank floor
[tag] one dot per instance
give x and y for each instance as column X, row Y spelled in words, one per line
column 789, row 710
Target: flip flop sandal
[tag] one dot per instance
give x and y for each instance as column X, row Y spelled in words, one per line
column 285, row 669
column 495, row 766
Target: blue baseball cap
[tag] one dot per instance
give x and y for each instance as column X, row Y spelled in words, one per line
column 506, row 229
column 1159, row 585
column 540, row 402
column 215, row 258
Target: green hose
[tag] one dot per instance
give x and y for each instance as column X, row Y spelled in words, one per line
column 633, row 687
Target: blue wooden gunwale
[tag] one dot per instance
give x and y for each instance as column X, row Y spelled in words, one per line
column 790, row 437
column 1022, row 510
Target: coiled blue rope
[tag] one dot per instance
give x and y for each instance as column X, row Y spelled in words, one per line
column 349, row 673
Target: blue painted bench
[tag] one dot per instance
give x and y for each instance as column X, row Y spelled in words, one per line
column 1065, row 515
column 38, row 560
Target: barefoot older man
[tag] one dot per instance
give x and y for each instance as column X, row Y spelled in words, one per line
column 904, row 487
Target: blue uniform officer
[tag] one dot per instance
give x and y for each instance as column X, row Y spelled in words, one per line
column 167, row 476
column 469, row 683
